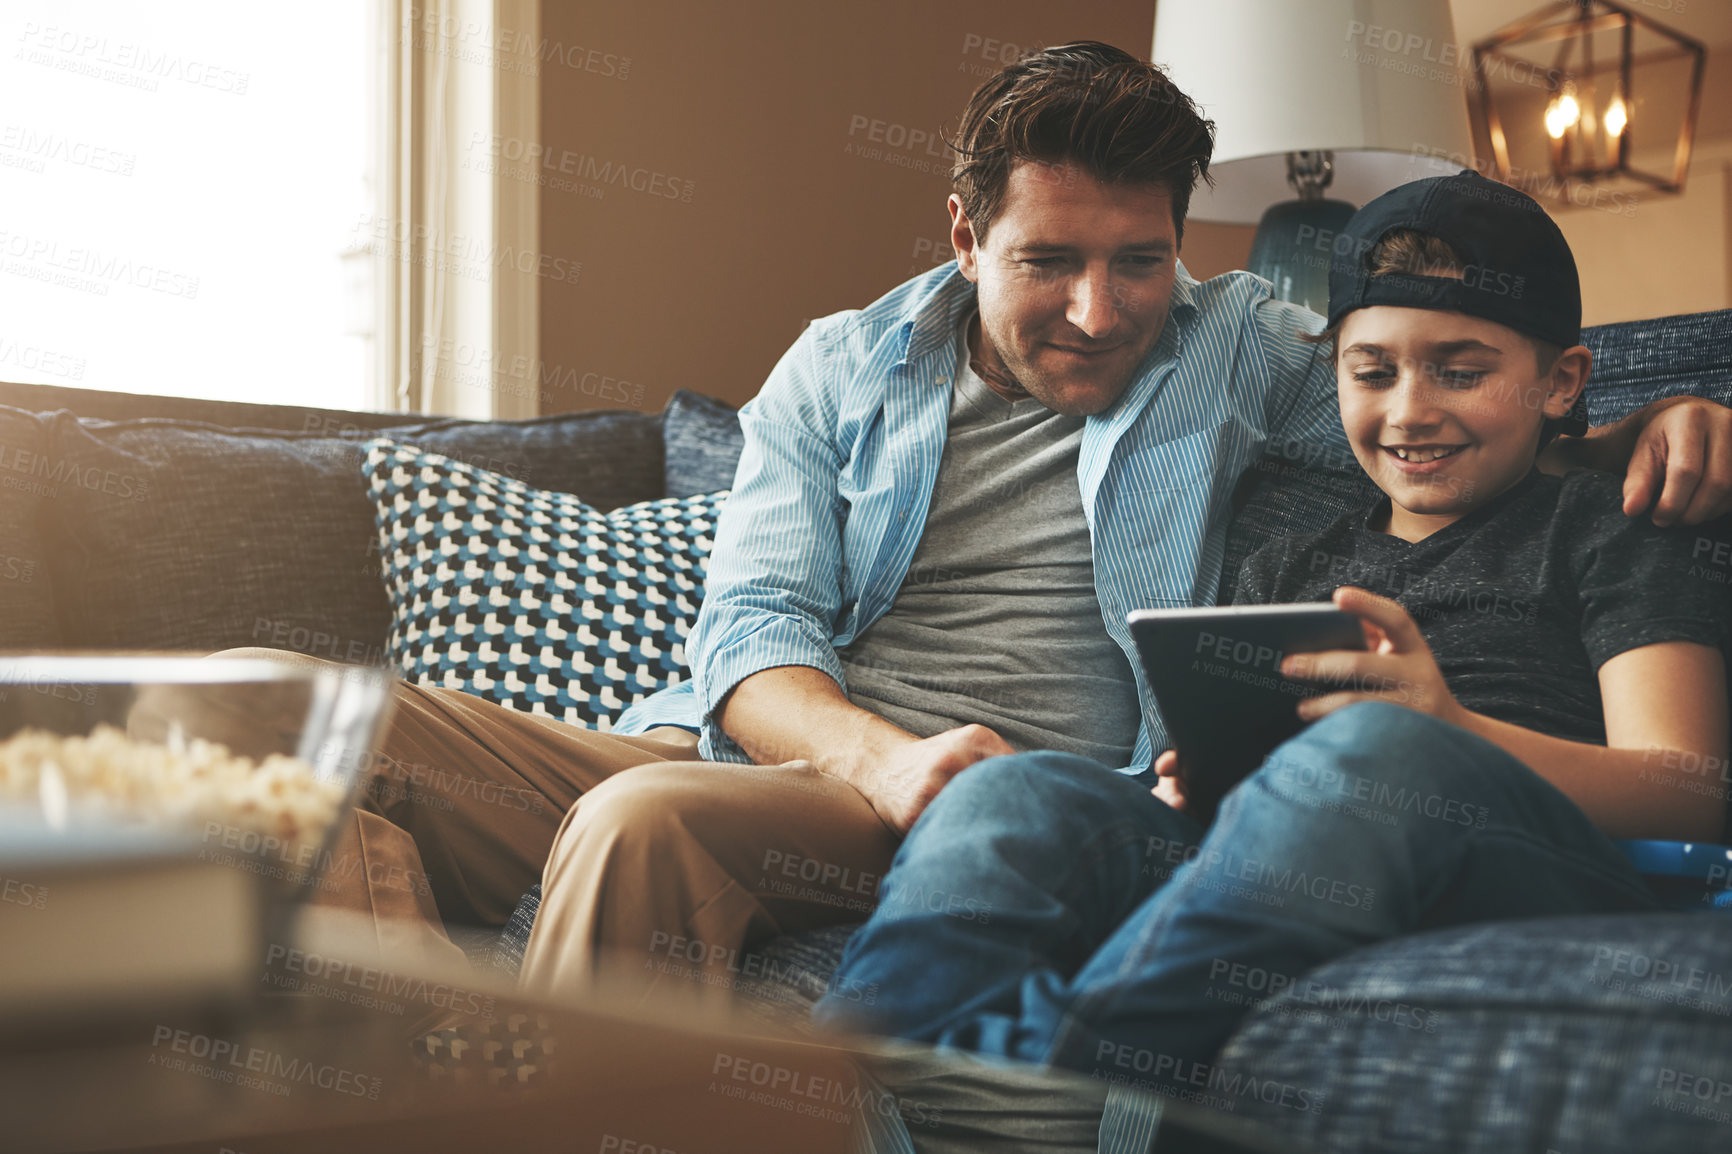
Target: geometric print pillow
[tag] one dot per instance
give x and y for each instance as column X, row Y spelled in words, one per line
column 530, row 598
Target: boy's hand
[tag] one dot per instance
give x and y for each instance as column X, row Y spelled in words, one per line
column 1396, row 666
column 1171, row 788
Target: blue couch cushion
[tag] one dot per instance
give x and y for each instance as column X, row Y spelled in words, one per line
column 206, row 537
column 1283, row 493
column 532, row 598
column 1640, row 361
column 1579, row 1034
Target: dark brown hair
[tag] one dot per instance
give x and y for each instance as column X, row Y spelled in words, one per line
column 1089, row 104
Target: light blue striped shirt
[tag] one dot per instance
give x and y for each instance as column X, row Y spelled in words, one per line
column 842, row 447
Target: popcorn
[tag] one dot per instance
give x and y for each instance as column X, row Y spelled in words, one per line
column 187, row 782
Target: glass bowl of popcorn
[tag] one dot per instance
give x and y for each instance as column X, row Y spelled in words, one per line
column 252, row 763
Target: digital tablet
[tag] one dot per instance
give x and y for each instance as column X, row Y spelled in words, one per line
column 1216, row 674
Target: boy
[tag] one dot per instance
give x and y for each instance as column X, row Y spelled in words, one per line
column 1047, row 910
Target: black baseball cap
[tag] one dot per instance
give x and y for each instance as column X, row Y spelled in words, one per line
column 1518, row 270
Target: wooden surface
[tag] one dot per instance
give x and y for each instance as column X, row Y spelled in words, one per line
column 326, row 1058
column 313, row 1074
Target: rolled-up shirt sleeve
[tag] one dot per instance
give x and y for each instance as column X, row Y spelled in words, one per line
column 774, row 586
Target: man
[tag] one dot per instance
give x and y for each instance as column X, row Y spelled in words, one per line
column 946, row 505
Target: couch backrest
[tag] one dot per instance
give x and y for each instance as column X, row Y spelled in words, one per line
column 171, row 533
column 160, row 533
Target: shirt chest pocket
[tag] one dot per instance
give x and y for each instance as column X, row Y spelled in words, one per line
column 1186, row 462
column 1166, row 475
column 1157, row 514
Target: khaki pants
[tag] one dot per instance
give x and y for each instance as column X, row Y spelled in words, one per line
column 658, row 881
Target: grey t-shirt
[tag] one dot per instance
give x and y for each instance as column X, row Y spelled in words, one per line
column 996, row 621
column 1523, row 599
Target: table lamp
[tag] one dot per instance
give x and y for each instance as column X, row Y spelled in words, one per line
column 1350, row 96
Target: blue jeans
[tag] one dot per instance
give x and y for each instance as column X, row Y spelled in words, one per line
column 1048, row 909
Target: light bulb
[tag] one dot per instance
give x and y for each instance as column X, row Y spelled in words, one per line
column 1562, row 115
column 1616, row 116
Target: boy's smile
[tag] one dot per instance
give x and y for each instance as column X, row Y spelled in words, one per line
column 1444, row 410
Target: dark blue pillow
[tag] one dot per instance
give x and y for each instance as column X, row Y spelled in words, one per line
column 703, row 442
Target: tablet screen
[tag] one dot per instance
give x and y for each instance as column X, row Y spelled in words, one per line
column 1215, row 674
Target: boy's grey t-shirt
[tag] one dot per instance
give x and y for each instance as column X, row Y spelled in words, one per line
column 1523, row 599
column 996, row 621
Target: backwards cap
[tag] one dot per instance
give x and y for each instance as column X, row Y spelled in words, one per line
column 1517, row 268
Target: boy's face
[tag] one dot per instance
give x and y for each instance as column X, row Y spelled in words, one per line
column 1462, row 399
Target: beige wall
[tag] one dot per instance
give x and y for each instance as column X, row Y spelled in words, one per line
column 1670, row 254
column 1212, row 249
column 761, row 117
column 764, row 106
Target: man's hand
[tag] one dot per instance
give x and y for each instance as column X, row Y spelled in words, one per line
column 1396, row 666
column 902, row 784
column 796, row 717
column 1171, row 787
column 1683, row 454
column 1676, row 456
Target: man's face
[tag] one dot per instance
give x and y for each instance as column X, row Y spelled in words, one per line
column 1075, row 277
column 1462, row 399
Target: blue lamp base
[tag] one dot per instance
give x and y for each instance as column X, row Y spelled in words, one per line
column 1293, row 246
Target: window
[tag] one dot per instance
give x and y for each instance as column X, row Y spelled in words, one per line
column 186, row 188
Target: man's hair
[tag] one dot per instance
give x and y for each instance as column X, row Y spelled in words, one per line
column 1406, row 250
column 1116, row 117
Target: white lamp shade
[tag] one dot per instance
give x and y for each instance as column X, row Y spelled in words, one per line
column 1378, row 82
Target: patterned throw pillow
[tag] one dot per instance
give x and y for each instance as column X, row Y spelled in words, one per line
column 531, row 598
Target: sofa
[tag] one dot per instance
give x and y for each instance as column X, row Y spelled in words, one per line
column 133, row 522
